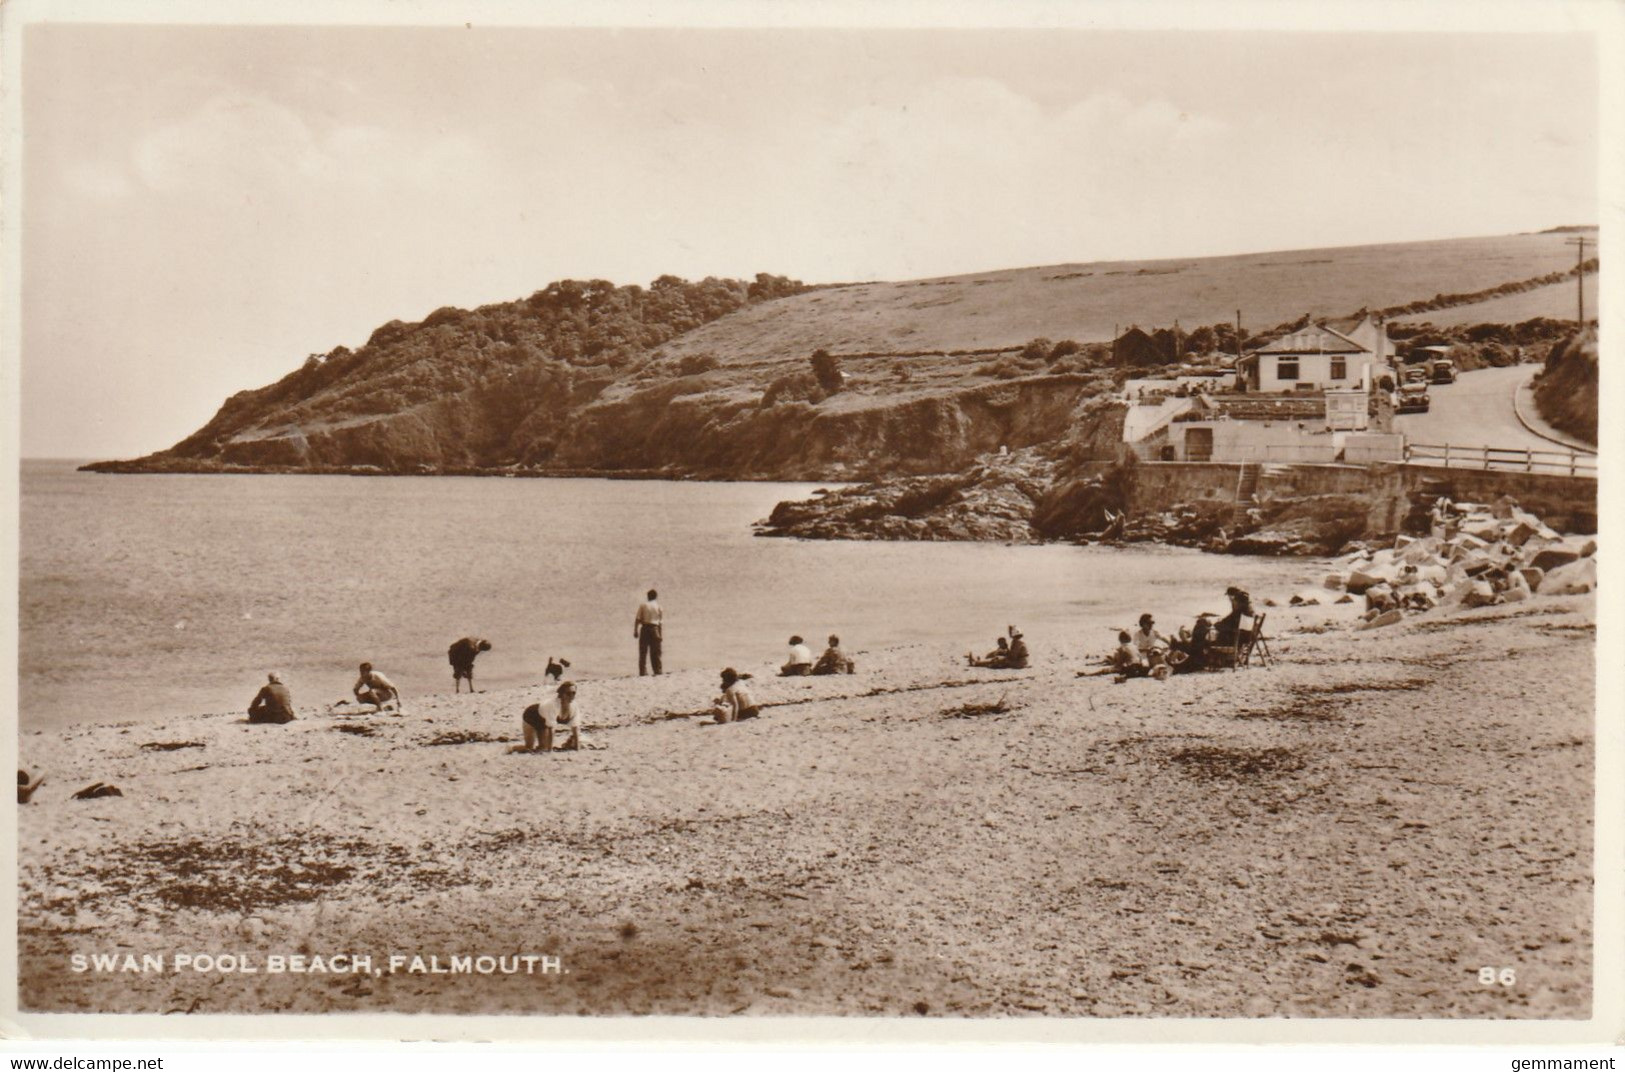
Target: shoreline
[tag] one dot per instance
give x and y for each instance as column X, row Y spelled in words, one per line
column 1217, row 844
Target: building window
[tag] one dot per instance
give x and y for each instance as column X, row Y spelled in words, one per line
column 1340, row 368
column 1286, row 368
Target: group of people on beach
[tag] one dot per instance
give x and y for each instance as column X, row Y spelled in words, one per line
column 555, row 723
column 273, row 704
column 1142, row 653
column 1009, row 652
column 801, row 662
column 1146, row 652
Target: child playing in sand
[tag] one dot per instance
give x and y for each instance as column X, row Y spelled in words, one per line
column 543, row 721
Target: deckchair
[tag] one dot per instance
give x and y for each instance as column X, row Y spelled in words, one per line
column 1253, row 641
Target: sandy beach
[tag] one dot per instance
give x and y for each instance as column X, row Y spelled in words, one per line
column 1353, row 832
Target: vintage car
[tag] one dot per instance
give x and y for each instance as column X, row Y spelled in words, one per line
column 1444, row 371
column 1413, row 397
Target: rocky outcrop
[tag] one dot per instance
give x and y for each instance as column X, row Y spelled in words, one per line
column 992, row 500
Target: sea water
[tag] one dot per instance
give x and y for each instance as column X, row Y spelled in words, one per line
column 147, row 596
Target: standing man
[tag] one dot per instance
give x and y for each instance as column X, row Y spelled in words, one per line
column 646, row 627
column 462, row 655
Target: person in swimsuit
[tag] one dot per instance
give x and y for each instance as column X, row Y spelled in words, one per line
column 544, row 721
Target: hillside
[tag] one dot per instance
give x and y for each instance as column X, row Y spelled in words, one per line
column 711, row 379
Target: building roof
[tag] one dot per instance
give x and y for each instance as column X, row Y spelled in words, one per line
column 1315, row 339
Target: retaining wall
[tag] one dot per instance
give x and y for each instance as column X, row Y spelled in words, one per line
column 1566, row 503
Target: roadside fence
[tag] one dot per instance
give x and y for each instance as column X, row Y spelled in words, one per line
column 1506, row 459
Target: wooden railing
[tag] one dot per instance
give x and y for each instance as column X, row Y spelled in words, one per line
column 1505, row 459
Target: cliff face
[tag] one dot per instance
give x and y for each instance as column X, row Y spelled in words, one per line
column 1566, row 393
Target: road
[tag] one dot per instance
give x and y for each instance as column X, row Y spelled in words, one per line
column 1475, row 411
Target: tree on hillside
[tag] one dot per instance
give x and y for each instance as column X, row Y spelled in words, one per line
column 1064, row 348
column 1201, row 341
column 826, row 368
column 1038, row 348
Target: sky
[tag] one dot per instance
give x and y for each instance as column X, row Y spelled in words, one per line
column 203, row 206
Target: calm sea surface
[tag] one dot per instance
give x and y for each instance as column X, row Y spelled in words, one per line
column 144, row 596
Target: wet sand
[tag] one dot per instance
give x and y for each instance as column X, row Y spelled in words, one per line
column 1352, row 832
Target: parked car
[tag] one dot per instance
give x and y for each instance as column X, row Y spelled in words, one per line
column 1416, row 374
column 1413, row 397
column 1444, row 371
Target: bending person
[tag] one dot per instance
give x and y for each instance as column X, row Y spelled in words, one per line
column 461, row 655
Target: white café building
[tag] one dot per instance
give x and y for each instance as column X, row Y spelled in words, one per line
column 1318, row 357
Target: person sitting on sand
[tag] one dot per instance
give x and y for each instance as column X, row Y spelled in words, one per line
column 273, row 704
column 1148, row 640
column 376, row 689
column 26, row 786
column 462, row 655
column 1018, row 650
column 996, row 657
column 1192, row 643
column 1126, row 658
column 800, row 662
column 543, row 722
column 736, row 703
column 834, row 660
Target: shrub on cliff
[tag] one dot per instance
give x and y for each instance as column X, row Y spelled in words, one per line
column 792, row 387
column 695, row 364
column 1038, row 349
column 826, row 369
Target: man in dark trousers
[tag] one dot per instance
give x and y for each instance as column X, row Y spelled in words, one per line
column 646, row 627
column 462, row 655
column 273, row 703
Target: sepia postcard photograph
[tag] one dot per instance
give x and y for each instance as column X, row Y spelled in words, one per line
column 1123, row 482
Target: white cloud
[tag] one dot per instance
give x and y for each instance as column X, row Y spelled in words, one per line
column 240, row 147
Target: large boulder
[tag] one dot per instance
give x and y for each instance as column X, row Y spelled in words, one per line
column 1359, row 580
column 1551, row 558
column 1574, row 578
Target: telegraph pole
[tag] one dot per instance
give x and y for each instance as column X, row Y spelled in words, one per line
column 1580, row 276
